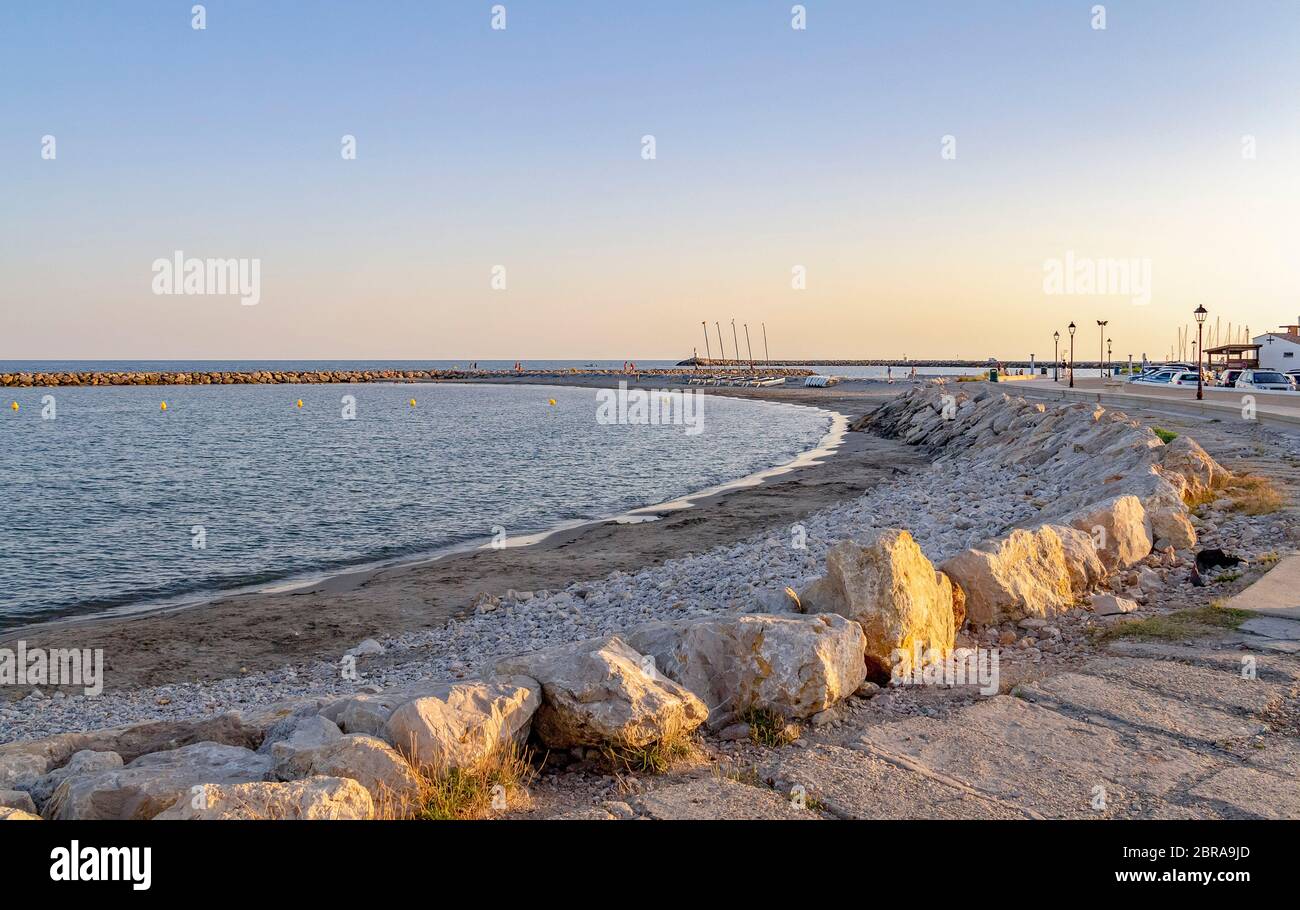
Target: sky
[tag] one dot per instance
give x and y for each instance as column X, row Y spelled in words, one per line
column 1167, row 141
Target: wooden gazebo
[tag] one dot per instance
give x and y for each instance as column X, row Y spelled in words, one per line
column 1233, row 357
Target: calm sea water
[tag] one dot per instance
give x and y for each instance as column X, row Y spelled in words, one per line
column 100, row 507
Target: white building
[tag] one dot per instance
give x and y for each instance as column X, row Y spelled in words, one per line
column 1280, row 350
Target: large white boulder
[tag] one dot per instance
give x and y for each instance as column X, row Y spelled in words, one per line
column 1082, row 561
column 603, row 692
column 1023, row 574
column 1191, row 468
column 316, row 798
column 1119, row 527
column 364, row 713
column 793, row 665
column 84, row 762
column 154, row 782
column 466, row 723
column 892, row 591
column 392, row 783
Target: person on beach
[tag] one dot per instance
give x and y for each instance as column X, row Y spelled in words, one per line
column 889, row 374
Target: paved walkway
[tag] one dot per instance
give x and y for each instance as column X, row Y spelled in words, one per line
column 1276, row 594
column 1276, row 408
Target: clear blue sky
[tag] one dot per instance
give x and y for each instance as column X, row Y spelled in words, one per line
column 522, row 147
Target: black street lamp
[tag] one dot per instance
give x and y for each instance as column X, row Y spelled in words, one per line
column 1071, row 329
column 1101, row 337
column 1200, row 313
column 1056, row 357
column 1108, row 357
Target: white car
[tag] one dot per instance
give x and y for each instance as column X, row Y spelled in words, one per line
column 1268, row 380
column 1160, row 377
column 1184, row 378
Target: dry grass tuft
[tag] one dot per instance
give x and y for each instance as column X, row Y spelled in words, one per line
column 675, row 747
column 1253, row 495
column 1182, row 625
column 497, row 785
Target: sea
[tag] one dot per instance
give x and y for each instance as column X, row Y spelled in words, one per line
column 110, row 503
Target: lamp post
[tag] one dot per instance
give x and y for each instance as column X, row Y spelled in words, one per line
column 1200, row 313
column 1107, row 355
column 1101, row 338
column 1056, row 357
column 1071, row 329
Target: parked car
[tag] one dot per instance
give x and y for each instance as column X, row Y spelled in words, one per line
column 1294, row 376
column 1268, row 380
column 1228, row 378
column 1184, row 378
column 1160, row 377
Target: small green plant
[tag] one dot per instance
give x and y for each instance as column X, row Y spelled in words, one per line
column 1166, row 436
column 1227, row 576
column 1181, row 625
column 768, row 728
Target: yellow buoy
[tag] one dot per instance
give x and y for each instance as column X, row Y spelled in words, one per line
column 164, row 406
column 299, row 402
column 412, row 402
column 552, row 402
column 14, row 405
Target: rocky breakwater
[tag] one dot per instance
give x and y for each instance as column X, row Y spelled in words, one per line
column 315, row 377
column 1118, row 494
column 378, row 754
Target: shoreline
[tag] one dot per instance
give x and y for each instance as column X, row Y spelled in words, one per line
column 346, row 578
column 290, row 622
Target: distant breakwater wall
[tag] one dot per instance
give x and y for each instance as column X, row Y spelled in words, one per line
column 976, row 364
column 311, row 377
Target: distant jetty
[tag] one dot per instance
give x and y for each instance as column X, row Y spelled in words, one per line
column 313, row 377
column 765, row 364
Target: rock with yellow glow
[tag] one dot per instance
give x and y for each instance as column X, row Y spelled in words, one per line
column 892, row 591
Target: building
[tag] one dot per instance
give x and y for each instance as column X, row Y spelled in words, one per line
column 1280, row 350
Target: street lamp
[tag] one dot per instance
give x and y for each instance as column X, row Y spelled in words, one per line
column 1101, row 335
column 1056, row 357
column 1071, row 328
column 1108, row 357
column 1200, row 313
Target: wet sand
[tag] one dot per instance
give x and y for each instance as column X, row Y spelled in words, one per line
column 262, row 631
